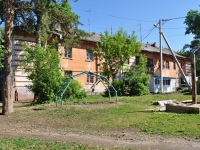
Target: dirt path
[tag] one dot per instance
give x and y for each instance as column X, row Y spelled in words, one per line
column 124, row 138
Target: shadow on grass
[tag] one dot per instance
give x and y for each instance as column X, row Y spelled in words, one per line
column 186, row 92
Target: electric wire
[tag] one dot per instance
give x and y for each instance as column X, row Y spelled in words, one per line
column 119, row 17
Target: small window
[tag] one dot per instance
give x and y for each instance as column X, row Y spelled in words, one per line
column 166, row 82
column 68, row 52
column 137, row 59
column 89, row 54
column 157, row 81
column 90, row 79
column 174, row 66
column 68, row 73
column 167, row 64
column 150, row 62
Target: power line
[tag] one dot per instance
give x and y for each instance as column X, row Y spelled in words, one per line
column 119, row 17
column 147, row 34
column 173, row 18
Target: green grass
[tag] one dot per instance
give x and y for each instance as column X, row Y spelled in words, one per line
column 21, row 144
column 130, row 113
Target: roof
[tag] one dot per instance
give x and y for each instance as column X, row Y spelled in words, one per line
column 150, row 48
column 94, row 37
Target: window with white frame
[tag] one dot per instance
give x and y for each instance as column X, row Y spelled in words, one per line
column 90, row 79
column 89, row 55
column 68, row 52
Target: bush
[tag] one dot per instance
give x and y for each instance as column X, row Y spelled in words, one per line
column 117, row 84
column 74, row 91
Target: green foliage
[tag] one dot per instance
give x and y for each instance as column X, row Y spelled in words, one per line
column 45, row 17
column 137, row 79
column 117, row 84
column 115, row 49
column 75, row 91
column 42, row 66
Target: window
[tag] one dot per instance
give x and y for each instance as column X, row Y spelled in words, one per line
column 174, row 66
column 68, row 52
column 157, row 81
column 166, row 82
column 150, row 62
column 89, row 54
column 137, row 59
column 167, row 64
column 90, row 79
column 68, row 73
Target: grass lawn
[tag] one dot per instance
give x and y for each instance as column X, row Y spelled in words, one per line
column 130, row 113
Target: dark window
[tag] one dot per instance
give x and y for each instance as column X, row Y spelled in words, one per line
column 150, row 62
column 174, row 66
column 89, row 54
column 68, row 73
column 90, row 79
column 167, row 64
column 157, row 81
column 166, row 82
column 137, row 59
column 68, row 52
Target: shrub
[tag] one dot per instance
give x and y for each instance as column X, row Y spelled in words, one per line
column 74, row 91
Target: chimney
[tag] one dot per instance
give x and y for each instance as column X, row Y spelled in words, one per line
column 154, row 44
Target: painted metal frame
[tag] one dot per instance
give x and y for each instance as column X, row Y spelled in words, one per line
column 68, row 80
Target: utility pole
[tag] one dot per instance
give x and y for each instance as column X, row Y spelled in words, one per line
column 194, row 86
column 140, row 32
column 161, row 56
column 89, row 19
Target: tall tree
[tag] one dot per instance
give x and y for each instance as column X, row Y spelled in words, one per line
column 7, row 90
column 115, row 49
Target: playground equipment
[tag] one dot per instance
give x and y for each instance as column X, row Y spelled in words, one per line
column 68, row 80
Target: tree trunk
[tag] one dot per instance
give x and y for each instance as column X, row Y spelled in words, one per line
column 7, row 84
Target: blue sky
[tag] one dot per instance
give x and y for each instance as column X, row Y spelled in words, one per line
column 139, row 16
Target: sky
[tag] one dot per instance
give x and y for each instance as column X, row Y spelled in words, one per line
column 139, row 16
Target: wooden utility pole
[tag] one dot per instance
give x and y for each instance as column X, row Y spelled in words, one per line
column 161, row 57
column 194, row 87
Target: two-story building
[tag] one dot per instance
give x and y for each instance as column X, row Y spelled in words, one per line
column 75, row 60
column 172, row 77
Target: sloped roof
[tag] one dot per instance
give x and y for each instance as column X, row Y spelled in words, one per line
column 149, row 48
column 94, row 37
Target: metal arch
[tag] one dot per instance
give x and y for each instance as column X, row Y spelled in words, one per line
column 68, row 80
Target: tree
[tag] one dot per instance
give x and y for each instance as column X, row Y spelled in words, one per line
column 42, row 66
column 7, row 80
column 192, row 21
column 137, row 78
column 114, row 50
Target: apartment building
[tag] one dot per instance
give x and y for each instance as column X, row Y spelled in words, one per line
column 172, row 77
column 74, row 60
